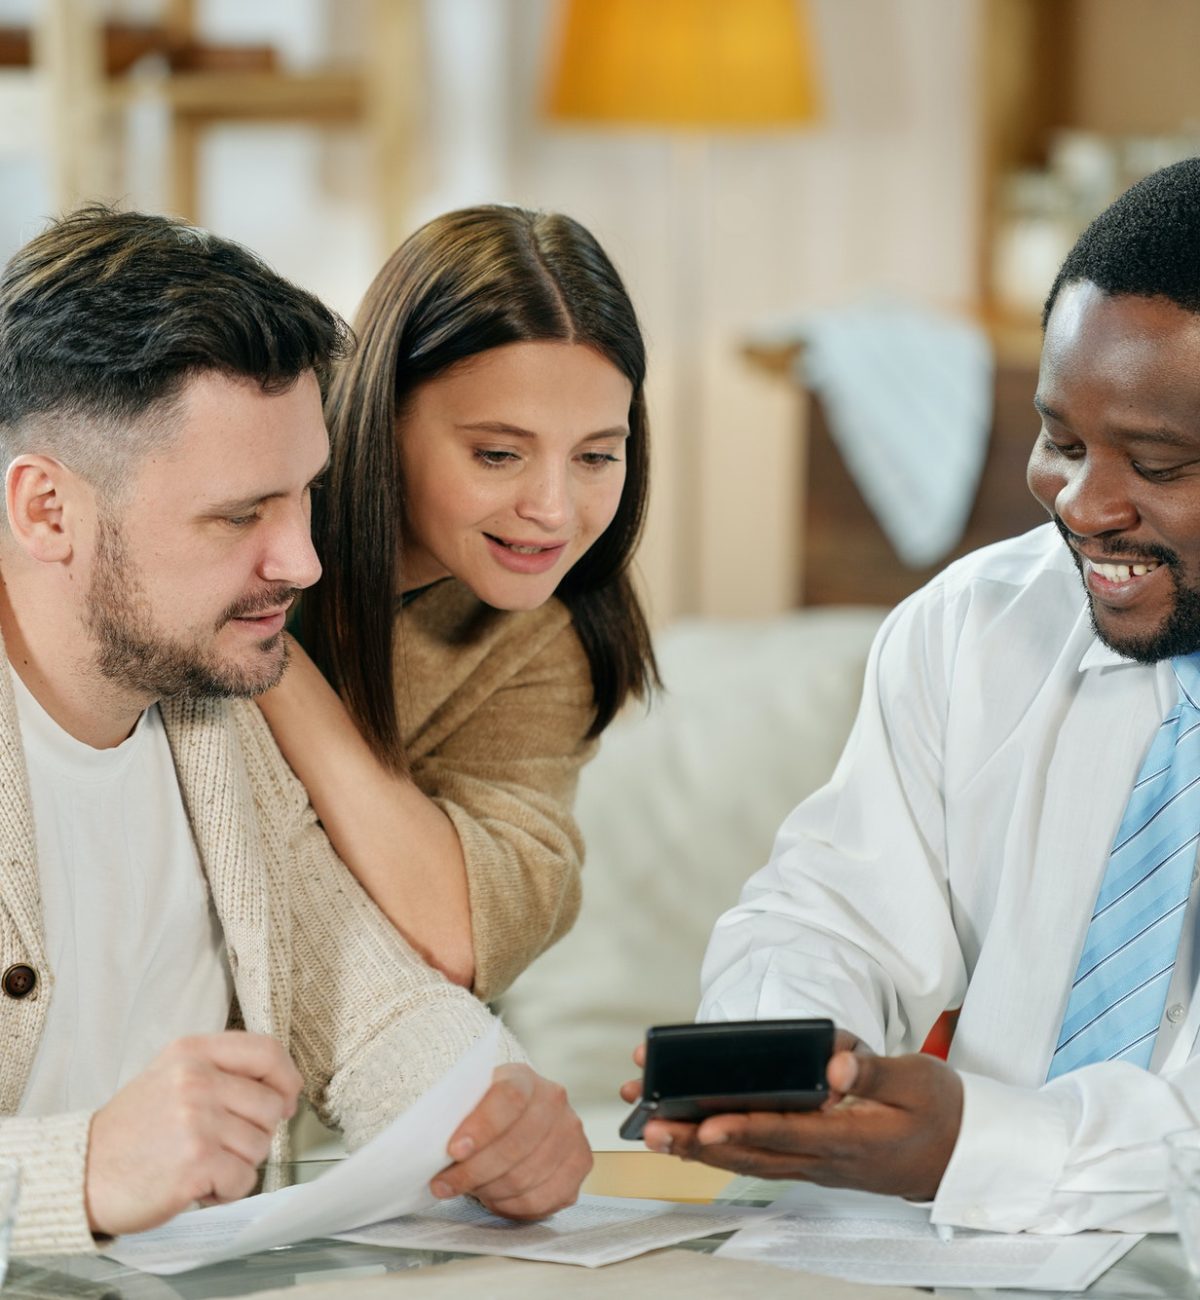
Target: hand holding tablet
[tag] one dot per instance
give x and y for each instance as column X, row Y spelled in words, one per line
column 693, row 1071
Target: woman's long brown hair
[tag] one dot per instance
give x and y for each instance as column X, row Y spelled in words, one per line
column 466, row 282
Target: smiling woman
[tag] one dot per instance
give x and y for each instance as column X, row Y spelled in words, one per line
column 514, row 464
column 476, row 628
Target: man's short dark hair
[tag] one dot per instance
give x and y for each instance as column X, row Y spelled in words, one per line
column 1147, row 243
column 106, row 315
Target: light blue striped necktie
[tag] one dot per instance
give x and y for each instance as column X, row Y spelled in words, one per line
column 1121, row 982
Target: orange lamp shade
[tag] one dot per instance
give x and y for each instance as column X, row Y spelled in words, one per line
column 701, row 63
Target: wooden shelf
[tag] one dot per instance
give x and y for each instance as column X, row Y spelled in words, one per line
column 1106, row 66
column 95, row 71
column 1016, row 341
column 323, row 97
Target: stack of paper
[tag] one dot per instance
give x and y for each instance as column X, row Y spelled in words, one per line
column 866, row 1238
column 599, row 1230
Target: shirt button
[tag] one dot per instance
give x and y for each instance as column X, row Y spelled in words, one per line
column 975, row 1218
column 1175, row 1012
column 18, row 981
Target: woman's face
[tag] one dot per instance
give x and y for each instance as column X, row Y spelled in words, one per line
column 514, row 461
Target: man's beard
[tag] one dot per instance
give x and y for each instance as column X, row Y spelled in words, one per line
column 131, row 652
column 1179, row 633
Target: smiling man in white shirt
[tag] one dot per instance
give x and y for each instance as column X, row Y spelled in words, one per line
column 181, row 952
column 957, row 855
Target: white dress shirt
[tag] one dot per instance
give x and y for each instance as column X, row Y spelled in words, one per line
column 953, row 861
column 137, row 957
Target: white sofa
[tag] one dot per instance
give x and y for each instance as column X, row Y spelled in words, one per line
column 679, row 806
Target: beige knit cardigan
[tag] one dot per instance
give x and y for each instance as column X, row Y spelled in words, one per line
column 494, row 710
column 314, row 963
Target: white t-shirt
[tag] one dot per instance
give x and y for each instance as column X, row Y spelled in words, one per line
column 137, row 957
column 954, row 860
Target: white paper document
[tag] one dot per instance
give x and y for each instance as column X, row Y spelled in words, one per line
column 387, row 1177
column 598, row 1230
column 866, row 1238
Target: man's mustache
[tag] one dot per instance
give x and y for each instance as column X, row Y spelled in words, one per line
column 251, row 606
column 1114, row 546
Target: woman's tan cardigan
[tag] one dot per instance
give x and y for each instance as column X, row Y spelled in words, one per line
column 494, row 710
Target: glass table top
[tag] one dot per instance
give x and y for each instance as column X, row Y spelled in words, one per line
column 1153, row 1270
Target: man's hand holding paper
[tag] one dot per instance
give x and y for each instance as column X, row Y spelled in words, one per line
column 192, row 1127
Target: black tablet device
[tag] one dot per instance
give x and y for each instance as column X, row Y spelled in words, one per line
column 693, row 1071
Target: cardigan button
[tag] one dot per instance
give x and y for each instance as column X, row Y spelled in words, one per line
column 19, row 981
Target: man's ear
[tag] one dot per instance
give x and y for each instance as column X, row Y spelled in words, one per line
column 39, row 492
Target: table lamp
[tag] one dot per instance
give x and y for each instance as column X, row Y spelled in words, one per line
column 693, row 68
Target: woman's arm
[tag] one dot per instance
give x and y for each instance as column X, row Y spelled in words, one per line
column 498, row 710
column 398, row 843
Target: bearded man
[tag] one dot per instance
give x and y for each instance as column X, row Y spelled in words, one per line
column 1012, row 828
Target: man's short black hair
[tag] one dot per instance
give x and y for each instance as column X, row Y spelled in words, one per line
column 1147, row 243
column 106, row 315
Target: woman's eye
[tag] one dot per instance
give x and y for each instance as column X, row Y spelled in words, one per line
column 493, row 457
column 240, row 521
column 598, row 459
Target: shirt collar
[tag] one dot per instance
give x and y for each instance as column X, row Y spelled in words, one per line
column 1184, row 671
column 1098, row 655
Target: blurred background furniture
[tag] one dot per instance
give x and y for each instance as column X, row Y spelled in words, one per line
column 96, row 66
column 842, row 554
column 1078, row 100
column 959, row 148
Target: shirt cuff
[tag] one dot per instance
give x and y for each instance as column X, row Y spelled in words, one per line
column 1009, row 1156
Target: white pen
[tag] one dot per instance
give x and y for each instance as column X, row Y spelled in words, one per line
column 944, row 1231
